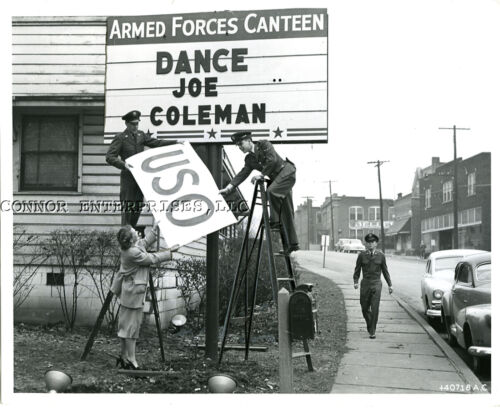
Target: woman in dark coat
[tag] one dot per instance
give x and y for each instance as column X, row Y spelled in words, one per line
column 130, row 286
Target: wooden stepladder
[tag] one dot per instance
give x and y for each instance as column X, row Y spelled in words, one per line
column 242, row 271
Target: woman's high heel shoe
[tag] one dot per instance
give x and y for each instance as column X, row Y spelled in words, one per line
column 120, row 362
column 131, row 366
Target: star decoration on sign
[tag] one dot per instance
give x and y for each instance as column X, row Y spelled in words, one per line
column 277, row 132
column 149, row 134
column 211, row 133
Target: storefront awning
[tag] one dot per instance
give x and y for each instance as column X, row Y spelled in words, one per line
column 401, row 226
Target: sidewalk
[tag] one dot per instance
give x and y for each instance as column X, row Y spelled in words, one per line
column 407, row 356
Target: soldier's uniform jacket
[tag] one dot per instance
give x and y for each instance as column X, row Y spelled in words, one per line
column 127, row 144
column 372, row 265
column 265, row 159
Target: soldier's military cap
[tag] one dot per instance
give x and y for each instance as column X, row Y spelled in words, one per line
column 370, row 237
column 132, row 116
column 241, row 135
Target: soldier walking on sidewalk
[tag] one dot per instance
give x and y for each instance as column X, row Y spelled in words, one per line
column 372, row 262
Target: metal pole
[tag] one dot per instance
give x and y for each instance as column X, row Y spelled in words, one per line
column 212, row 307
column 331, row 215
column 455, row 189
column 382, row 236
column 455, row 182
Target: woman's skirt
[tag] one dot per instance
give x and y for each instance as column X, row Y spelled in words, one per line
column 129, row 322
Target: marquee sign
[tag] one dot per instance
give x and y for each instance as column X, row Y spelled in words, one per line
column 181, row 193
column 203, row 76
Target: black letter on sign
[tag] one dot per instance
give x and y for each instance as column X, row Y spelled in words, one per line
column 160, row 56
column 152, row 116
column 195, row 220
column 146, row 164
column 180, row 181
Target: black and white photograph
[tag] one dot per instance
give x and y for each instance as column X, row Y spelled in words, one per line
column 259, row 199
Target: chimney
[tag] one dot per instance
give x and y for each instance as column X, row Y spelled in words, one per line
column 435, row 161
column 400, row 195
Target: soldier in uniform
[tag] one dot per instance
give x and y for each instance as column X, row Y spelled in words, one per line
column 262, row 156
column 126, row 144
column 372, row 262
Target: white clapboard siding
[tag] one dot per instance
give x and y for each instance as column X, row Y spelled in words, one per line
column 69, row 69
column 58, row 40
column 58, row 56
column 57, row 60
column 62, row 79
column 100, row 170
column 59, row 49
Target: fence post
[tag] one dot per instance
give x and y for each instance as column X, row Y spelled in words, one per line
column 285, row 344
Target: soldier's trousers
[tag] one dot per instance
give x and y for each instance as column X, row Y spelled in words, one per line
column 131, row 198
column 370, row 300
column 281, row 201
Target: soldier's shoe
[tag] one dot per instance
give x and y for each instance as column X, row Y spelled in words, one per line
column 372, row 336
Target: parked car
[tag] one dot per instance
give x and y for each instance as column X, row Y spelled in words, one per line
column 438, row 279
column 349, row 245
column 466, row 309
column 353, row 246
column 340, row 244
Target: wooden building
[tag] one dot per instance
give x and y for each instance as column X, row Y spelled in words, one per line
column 59, row 151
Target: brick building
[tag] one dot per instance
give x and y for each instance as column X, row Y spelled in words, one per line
column 474, row 204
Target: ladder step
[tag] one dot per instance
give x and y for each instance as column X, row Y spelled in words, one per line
column 300, row 354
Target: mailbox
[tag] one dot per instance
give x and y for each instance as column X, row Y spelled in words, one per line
column 302, row 313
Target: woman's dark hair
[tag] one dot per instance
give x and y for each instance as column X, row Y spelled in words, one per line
column 125, row 237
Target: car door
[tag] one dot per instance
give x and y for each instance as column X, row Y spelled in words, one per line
column 460, row 294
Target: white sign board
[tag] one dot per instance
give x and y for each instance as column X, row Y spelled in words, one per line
column 325, row 240
column 181, row 192
column 203, row 76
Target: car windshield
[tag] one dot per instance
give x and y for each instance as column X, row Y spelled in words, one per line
column 446, row 263
column 483, row 273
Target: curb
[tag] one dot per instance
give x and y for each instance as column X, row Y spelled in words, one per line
column 463, row 370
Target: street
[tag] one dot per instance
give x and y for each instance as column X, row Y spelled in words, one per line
column 406, row 274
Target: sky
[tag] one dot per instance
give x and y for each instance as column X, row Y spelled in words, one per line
column 398, row 70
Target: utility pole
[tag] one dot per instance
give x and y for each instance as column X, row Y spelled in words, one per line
column 455, row 182
column 331, row 212
column 382, row 236
column 308, row 205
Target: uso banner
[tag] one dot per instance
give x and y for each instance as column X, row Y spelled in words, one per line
column 181, row 193
column 203, row 76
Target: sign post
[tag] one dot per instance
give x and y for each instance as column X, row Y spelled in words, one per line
column 325, row 242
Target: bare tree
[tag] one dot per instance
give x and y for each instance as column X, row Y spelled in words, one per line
column 70, row 251
column 102, row 267
column 30, row 257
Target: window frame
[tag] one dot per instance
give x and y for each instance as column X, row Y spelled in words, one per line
column 19, row 115
column 471, row 187
column 447, row 191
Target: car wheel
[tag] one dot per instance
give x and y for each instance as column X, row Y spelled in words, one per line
column 451, row 338
column 480, row 364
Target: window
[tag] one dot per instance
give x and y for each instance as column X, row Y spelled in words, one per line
column 428, row 197
column 464, row 276
column 447, row 191
column 483, row 273
column 471, row 184
column 49, row 153
column 374, row 213
column 355, row 213
column 318, row 218
column 55, row 279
